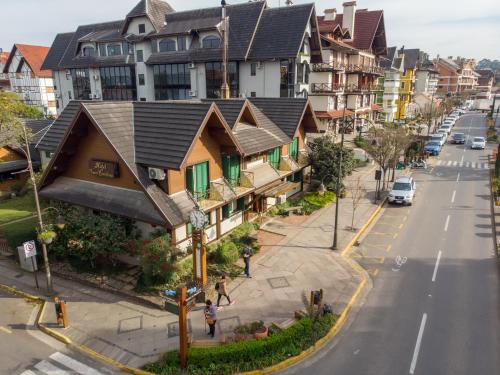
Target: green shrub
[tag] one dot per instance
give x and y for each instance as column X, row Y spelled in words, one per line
column 159, row 260
column 248, row 355
column 225, row 252
column 318, row 200
column 360, row 142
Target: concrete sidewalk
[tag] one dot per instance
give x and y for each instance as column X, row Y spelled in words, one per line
column 303, row 261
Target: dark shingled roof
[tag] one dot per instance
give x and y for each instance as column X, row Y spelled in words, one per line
column 155, row 10
column 57, row 50
column 56, row 131
column 286, row 113
column 280, row 32
column 38, row 128
column 230, row 109
column 387, row 62
column 411, row 58
column 164, row 131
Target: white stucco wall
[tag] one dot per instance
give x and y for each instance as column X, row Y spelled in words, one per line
column 266, row 81
column 231, row 223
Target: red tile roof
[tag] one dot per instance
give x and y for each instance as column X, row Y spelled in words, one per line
column 34, row 56
column 333, row 114
column 4, row 56
column 365, row 27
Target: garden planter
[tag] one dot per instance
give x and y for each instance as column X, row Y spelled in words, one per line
column 238, row 337
column 261, row 334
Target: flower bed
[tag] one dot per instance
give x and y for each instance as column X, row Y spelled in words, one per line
column 248, row 355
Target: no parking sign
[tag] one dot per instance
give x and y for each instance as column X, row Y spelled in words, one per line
column 29, row 249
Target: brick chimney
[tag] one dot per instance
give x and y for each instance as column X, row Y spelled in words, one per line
column 330, row 14
column 349, row 17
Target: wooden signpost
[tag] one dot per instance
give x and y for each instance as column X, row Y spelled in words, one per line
column 199, row 257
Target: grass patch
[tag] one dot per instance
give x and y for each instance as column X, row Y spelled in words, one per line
column 248, row 355
column 17, row 208
column 318, row 200
column 17, row 233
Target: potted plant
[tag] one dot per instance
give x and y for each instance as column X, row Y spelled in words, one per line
column 241, row 332
column 47, row 236
column 258, row 329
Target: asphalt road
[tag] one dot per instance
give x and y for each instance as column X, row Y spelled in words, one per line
column 27, row 351
column 435, row 304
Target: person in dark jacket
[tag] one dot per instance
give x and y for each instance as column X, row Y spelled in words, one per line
column 211, row 317
column 246, row 259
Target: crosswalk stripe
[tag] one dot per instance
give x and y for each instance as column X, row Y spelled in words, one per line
column 455, row 163
column 27, row 372
column 74, row 364
column 439, row 162
column 449, row 163
column 49, row 368
column 467, row 164
column 486, row 166
column 461, row 164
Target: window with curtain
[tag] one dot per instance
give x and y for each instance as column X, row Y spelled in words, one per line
column 231, row 168
column 88, row 51
column 274, row 156
column 171, row 81
column 118, row 83
column 197, row 180
column 293, row 149
column 114, row 49
column 167, row 45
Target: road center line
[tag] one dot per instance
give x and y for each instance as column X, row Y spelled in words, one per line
column 436, row 266
column 447, row 222
column 453, row 196
column 462, row 160
column 417, row 345
column 458, row 176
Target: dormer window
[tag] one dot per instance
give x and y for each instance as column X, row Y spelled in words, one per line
column 88, row 51
column 142, row 28
column 211, row 41
column 114, row 49
column 167, row 45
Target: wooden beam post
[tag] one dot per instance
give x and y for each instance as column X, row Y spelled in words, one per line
column 199, row 256
column 183, row 334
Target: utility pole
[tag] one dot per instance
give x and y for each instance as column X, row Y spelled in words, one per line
column 225, row 94
column 339, row 179
column 38, row 211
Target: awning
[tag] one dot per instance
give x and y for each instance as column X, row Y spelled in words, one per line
column 13, row 166
column 267, row 187
column 116, row 200
column 281, row 189
column 333, row 114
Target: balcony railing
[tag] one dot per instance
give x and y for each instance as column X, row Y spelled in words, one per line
column 324, row 88
column 364, row 69
column 302, row 159
column 354, row 88
column 246, row 179
column 328, row 67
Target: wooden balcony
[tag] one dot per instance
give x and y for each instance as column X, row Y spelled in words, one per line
column 375, row 70
column 364, row 88
column 326, row 88
column 327, row 67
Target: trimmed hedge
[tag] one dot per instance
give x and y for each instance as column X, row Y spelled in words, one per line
column 248, row 355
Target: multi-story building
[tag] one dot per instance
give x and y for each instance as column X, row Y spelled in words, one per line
column 427, row 77
column 156, row 53
column 408, row 78
column 456, row 76
column 33, row 84
column 388, row 97
column 346, row 79
column 4, row 77
column 485, row 83
column 234, row 158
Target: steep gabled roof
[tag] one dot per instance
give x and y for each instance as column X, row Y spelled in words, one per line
column 33, row 56
column 155, row 10
column 57, row 50
column 411, row 58
column 281, row 31
column 37, row 128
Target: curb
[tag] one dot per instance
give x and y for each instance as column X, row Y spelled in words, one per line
column 343, row 316
column 66, row 340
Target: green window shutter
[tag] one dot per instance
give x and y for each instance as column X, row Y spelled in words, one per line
column 226, row 166
column 226, row 211
column 201, row 175
column 274, row 157
column 190, row 179
column 293, row 148
column 189, row 229
column 290, row 178
column 240, row 204
column 231, row 168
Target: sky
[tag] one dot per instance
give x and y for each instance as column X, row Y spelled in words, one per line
column 445, row 27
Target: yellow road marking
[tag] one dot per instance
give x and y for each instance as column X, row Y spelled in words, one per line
column 401, row 226
column 373, row 272
column 389, row 247
column 377, row 246
column 388, row 224
column 395, row 235
column 405, row 218
column 377, row 259
column 6, row 330
column 379, row 234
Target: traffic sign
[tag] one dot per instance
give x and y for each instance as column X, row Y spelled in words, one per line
column 29, row 249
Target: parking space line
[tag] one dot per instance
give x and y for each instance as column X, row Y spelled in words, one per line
column 453, row 196
column 6, row 330
column 373, row 272
column 379, row 234
column 401, row 225
column 446, row 223
column 389, row 247
column 395, row 235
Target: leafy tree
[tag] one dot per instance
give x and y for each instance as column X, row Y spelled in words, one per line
column 12, row 108
column 324, row 157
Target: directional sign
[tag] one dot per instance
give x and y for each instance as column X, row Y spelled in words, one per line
column 29, row 249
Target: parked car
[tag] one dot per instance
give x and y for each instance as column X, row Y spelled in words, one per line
column 450, row 122
column 458, row 138
column 432, row 147
column 446, row 127
column 403, row 191
column 478, row 143
column 443, row 132
column 438, row 137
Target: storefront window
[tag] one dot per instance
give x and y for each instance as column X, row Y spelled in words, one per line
column 172, row 81
column 118, row 83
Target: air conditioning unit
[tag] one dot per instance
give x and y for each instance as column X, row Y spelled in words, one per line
column 192, row 93
column 96, row 77
column 156, row 174
column 260, row 65
column 192, row 65
column 91, row 96
column 96, row 96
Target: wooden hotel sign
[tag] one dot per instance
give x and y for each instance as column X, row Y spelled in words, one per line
column 104, row 168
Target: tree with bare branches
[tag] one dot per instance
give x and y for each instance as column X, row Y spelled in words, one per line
column 356, row 191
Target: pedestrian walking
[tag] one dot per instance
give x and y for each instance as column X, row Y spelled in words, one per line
column 211, row 317
column 221, row 288
column 246, row 258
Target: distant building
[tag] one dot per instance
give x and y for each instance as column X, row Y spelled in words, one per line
column 485, row 83
column 4, row 78
column 427, row 77
column 456, row 76
column 408, row 79
column 389, row 97
column 33, row 84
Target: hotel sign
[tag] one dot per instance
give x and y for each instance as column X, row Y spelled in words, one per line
column 104, row 168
